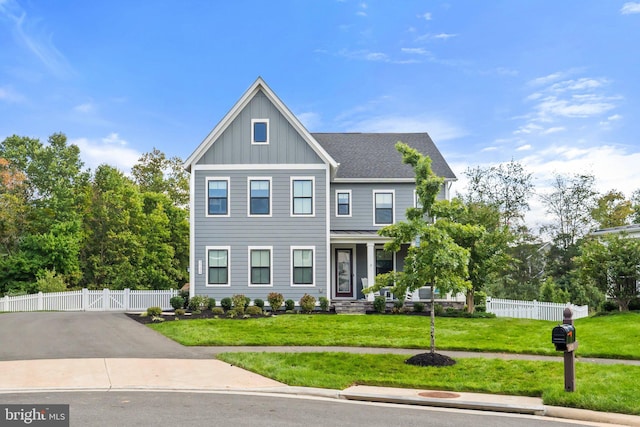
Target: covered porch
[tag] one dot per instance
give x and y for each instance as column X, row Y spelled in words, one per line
column 357, row 257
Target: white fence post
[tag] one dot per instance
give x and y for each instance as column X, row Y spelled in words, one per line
column 39, row 307
column 126, row 301
column 85, row 299
column 105, row 299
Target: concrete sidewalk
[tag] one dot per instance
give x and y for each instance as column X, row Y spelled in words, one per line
column 201, row 375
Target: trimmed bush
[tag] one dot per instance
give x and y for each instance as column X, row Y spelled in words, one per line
column 289, row 305
column 258, row 303
column 177, row 302
column 253, row 310
column 212, row 303
column 380, row 304
column 185, row 297
column 418, row 307
column 239, row 302
column 226, row 303
column 438, row 310
column 154, row 311
column 180, row 312
column 217, row 310
column 307, row 303
column 232, row 314
column 275, row 301
column 198, row 303
column 247, row 302
column 324, row 303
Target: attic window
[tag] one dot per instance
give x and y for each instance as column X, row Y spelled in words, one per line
column 259, row 131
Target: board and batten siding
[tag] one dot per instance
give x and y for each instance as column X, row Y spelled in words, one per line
column 280, row 231
column 285, row 145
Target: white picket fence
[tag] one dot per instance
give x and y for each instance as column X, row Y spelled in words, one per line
column 88, row 300
column 533, row 309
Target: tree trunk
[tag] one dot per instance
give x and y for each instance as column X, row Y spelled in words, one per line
column 470, row 305
column 433, row 321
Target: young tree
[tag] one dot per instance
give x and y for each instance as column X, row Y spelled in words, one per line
column 434, row 259
column 507, row 186
column 613, row 265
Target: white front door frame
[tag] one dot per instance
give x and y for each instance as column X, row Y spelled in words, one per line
column 334, row 284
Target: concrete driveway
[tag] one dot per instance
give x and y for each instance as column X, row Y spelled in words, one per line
column 72, row 335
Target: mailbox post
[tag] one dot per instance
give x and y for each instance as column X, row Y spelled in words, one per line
column 564, row 338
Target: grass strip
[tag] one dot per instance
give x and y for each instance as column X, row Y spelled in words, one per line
column 609, row 388
column 613, row 336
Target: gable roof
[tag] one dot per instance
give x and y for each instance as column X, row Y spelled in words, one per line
column 374, row 156
column 258, row 85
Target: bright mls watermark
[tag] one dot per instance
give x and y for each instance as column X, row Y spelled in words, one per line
column 34, row 415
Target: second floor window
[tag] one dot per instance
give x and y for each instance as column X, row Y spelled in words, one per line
column 302, row 203
column 260, row 131
column 383, row 208
column 259, row 197
column 343, row 203
column 218, row 197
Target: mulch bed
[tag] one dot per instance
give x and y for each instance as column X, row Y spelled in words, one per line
column 430, row 359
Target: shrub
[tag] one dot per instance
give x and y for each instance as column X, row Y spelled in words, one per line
column 185, row 296
column 438, row 309
column 610, row 306
column 239, row 302
column 157, row 319
column 247, row 302
column 154, row 311
column 289, row 305
column 258, row 303
column 180, row 312
column 198, row 303
column 324, row 303
column 418, row 307
column 217, row 310
column 480, row 308
column 397, row 304
column 232, row 314
column 307, row 303
column 226, row 303
column 275, row 301
column 253, row 310
column 212, row 303
column 50, row 281
column 177, row 302
column 634, row 304
column 380, row 304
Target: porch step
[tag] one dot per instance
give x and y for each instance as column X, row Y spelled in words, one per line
column 349, row 307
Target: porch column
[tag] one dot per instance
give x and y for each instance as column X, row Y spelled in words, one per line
column 371, row 263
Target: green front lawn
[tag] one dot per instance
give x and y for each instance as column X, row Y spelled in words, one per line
column 610, row 388
column 614, row 336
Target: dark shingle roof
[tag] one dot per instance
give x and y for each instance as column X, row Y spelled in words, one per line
column 373, row 155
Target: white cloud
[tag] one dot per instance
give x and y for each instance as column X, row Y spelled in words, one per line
column 364, row 55
column 9, row 95
column 629, row 8
column 439, row 130
column 111, row 150
column 85, row 108
column 553, row 130
column 525, row 147
column 488, row 149
column 577, row 106
column 444, row 36
column 426, row 16
column 414, row 50
column 35, row 40
column 310, row 120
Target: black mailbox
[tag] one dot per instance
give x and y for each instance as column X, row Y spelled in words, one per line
column 563, row 337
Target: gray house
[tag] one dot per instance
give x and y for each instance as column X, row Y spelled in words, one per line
column 275, row 208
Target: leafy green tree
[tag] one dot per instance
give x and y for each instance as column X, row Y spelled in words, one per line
column 507, row 186
column 613, row 265
column 155, row 173
column 488, row 243
column 612, row 210
column 549, row 292
column 435, row 259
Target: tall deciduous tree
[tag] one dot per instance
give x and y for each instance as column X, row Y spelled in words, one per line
column 434, row 259
column 613, row 265
column 612, row 210
column 155, row 173
column 507, row 186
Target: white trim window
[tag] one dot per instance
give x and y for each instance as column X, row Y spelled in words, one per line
column 259, row 196
column 260, row 265
column 218, row 266
column 218, row 196
column 303, row 261
column 383, row 207
column 302, row 196
column 259, row 131
column 343, row 203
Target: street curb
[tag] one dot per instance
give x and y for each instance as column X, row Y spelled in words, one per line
column 593, row 416
column 447, row 403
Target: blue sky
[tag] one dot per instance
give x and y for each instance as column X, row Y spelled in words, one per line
column 552, row 84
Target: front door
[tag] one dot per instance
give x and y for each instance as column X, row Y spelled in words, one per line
column 344, row 273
